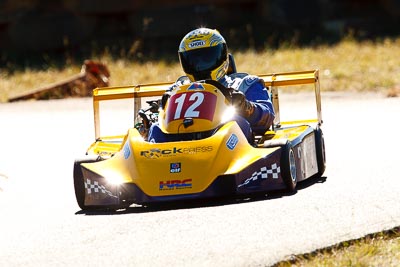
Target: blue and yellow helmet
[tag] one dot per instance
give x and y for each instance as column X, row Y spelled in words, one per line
column 203, row 54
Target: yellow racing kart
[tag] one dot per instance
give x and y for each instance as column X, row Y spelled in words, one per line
column 215, row 161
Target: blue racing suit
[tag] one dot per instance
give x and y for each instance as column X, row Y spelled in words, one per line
column 254, row 91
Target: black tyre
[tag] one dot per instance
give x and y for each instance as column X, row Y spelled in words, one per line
column 320, row 150
column 288, row 167
column 79, row 184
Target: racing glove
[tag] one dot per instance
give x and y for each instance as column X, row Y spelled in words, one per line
column 242, row 105
column 167, row 93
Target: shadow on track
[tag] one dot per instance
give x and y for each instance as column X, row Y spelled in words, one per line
column 203, row 203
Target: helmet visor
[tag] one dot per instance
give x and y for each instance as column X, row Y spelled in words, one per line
column 203, row 60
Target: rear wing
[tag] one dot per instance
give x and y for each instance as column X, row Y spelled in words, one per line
column 137, row 92
column 276, row 80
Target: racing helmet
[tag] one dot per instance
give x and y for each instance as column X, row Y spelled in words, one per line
column 203, row 54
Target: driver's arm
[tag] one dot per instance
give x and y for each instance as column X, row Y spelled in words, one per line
column 263, row 115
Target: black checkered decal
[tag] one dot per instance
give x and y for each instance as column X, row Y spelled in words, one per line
column 95, row 187
column 264, row 173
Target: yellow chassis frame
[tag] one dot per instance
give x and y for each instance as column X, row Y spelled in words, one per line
column 274, row 81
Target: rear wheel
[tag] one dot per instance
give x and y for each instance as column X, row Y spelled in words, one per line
column 79, row 183
column 320, row 151
column 288, row 167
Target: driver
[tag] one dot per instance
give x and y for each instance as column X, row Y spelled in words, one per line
column 203, row 54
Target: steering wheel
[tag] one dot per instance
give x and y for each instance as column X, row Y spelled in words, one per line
column 227, row 92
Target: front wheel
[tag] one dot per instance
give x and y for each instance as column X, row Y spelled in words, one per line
column 288, row 167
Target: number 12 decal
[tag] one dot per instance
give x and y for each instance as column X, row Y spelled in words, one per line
column 195, row 99
column 191, row 105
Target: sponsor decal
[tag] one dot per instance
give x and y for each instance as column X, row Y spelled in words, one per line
column 175, row 167
column 197, row 43
column 264, row 173
column 195, row 86
column 156, row 153
column 175, row 184
column 127, row 151
column 232, row 142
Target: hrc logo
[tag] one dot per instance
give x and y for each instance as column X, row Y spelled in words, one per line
column 175, row 184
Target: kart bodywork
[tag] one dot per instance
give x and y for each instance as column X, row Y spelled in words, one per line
column 216, row 161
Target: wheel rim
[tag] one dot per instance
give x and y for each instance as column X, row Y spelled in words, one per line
column 292, row 164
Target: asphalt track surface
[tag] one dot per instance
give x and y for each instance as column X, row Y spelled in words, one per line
column 41, row 224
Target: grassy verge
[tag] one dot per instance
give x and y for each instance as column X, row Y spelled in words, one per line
column 368, row 66
column 380, row 249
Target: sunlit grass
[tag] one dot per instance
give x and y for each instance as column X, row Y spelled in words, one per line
column 368, row 66
column 381, row 249
column 349, row 65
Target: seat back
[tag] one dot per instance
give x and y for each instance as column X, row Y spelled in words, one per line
column 232, row 65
